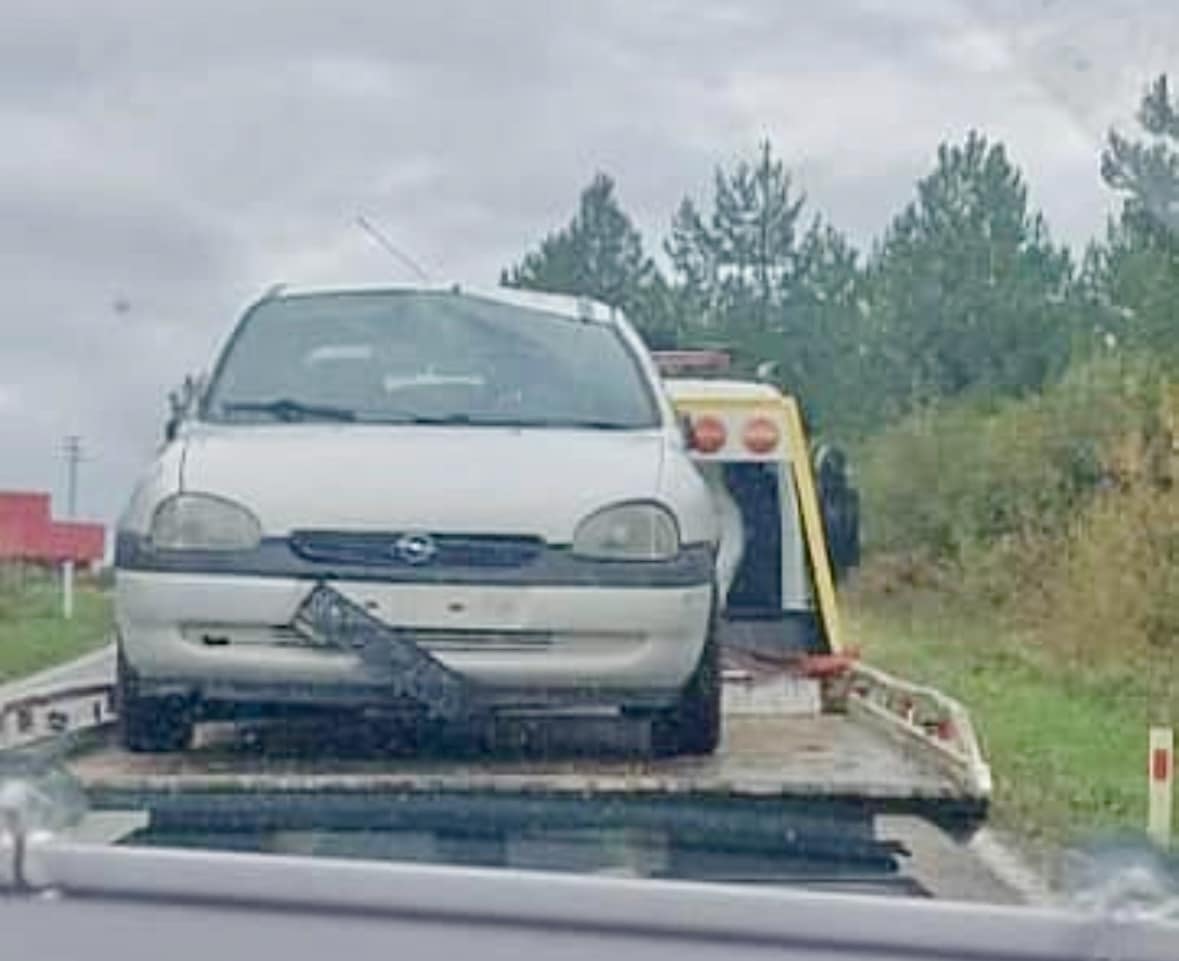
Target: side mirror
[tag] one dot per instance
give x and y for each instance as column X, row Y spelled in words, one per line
column 685, row 424
column 839, row 501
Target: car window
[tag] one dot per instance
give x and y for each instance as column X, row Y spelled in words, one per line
column 397, row 357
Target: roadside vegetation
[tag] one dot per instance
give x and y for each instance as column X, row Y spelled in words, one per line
column 1027, row 561
column 33, row 633
column 1067, row 746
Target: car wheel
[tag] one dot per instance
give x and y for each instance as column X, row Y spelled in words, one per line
column 693, row 725
column 150, row 724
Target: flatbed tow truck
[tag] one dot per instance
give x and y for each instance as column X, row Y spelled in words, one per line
column 822, row 757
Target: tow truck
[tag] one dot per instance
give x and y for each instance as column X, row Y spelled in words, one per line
column 821, row 756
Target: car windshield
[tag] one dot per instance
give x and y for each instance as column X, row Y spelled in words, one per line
column 398, row 357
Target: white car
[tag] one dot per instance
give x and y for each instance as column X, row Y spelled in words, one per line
column 430, row 501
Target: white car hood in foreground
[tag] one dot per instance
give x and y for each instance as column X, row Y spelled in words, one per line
column 441, row 479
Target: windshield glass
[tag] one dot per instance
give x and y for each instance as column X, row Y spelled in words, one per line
column 401, row 357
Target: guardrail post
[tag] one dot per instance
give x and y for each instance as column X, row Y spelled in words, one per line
column 1161, row 773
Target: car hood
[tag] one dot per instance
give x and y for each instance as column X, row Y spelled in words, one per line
column 443, row 479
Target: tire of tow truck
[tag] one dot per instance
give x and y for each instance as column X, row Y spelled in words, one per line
column 150, row 725
column 693, row 725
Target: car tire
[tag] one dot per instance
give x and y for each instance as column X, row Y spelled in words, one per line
column 693, row 725
column 150, row 725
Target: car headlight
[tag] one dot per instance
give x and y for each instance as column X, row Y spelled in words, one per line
column 201, row 522
column 628, row 532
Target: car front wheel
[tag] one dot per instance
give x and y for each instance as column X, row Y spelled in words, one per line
column 150, row 725
column 693, row 725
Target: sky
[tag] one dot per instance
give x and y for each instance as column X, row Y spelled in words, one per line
column 162, row 165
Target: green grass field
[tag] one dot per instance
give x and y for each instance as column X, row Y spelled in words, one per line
column 1068, row 745
column 33, row 633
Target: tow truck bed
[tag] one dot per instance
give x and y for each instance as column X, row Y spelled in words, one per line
column 804, row 773
column 826, row 755
column 761, row 756
column 873, row 742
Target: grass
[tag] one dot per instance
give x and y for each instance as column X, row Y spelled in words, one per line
column 33, row 634
column 1067, row 744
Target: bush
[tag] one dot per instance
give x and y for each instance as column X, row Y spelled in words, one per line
column 1059, row 511
column 951, row 480
column 1112, row 598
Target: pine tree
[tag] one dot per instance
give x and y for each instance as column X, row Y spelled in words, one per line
column 695, row 260
column 966, row 288
column 1134, row 275
column 750, row 276
column 600, row 255
column 732, row 265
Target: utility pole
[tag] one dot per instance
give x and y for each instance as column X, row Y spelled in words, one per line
column 72, row 447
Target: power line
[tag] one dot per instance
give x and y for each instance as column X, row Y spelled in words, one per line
column 387, row 245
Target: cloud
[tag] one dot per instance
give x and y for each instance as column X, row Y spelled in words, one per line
column 162, row 168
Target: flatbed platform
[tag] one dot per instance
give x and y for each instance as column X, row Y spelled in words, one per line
column 760, row 756
column 777, row 745
column 803, row 773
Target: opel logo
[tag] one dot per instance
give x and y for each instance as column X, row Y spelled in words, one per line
column 415, row 548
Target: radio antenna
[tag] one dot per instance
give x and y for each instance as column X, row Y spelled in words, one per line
column 388, row 246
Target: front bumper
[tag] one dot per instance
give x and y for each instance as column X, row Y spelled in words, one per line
column 235, row 639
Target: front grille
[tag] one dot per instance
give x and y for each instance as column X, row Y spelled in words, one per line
column 443, row 641
column 379, row 549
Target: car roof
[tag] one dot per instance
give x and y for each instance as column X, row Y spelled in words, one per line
column 563, row 305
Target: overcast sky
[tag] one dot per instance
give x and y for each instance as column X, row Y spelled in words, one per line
column 156, row 172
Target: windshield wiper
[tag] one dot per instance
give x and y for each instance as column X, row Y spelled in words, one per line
column 587, row 423
column 287, row 409
column 481, row 420
column 489, row 420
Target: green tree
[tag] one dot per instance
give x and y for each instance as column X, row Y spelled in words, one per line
column 1134, row 275
column 827, row 344
column 600, row 255
column 1147, row 172
column 749, row 273
column 967, row 290
column 732, row 264
column 696, row 263
column 815, row 336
